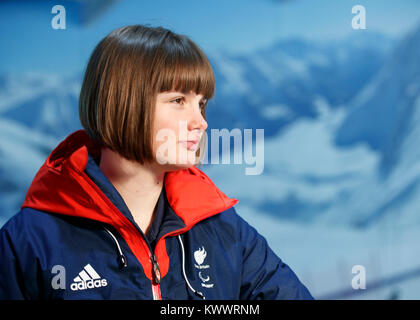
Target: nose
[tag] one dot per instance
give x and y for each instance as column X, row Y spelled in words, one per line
column 197, row 121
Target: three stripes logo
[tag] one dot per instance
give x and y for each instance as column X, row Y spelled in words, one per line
column 88, row 278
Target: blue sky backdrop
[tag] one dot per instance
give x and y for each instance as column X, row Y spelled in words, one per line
column 234, row 26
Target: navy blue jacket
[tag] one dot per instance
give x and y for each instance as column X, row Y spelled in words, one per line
column 74, row 238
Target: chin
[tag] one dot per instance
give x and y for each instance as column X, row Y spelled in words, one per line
column 182, row 161
column 173, row 166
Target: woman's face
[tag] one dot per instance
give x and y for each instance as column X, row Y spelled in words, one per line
column 178, row 128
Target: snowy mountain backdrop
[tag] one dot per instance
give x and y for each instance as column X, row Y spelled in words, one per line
column 341, row 123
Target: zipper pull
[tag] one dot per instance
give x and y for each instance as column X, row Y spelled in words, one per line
column 122, row 261
column 156, row 271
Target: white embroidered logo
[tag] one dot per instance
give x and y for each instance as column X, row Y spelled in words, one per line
column 199, row 256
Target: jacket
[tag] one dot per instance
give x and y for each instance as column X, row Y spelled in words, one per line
column 74, row 238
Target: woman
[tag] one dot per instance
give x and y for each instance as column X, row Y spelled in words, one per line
column 119, row 210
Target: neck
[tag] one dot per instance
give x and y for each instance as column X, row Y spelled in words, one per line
column 139, row 185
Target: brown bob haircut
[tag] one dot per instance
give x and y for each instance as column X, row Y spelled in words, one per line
column 125, row 72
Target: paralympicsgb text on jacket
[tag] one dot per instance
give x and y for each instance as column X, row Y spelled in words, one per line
column 74, row 238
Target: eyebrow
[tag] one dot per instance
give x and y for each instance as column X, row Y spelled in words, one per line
column 177, row 93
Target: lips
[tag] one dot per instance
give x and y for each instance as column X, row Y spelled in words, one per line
column 190, row 144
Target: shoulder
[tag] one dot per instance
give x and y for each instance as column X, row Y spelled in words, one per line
column 230, row 224
column 29, row 220
column 33, row 226
column 25, row 220
column 24, row 217
column 24, row 231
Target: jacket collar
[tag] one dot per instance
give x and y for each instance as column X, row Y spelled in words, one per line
column 62, row 186
column 164, row 221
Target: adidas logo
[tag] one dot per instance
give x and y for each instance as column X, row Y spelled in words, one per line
column 88, row 278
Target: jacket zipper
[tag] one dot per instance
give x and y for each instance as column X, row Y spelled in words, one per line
column 156, row 275
column 156, row 278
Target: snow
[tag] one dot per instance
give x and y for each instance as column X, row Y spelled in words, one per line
column 322, row 257
column 323, row 252
column 232, row 71
column 21, row 149
column 18, row 89
column 303, row 151
column 276, row 111
column 22, row 152
column 322, row 207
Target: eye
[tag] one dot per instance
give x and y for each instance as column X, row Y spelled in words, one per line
column 178, row 100
column 203, row 103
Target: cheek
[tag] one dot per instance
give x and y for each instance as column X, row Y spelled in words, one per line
column 166, row 125
column 165, row 132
